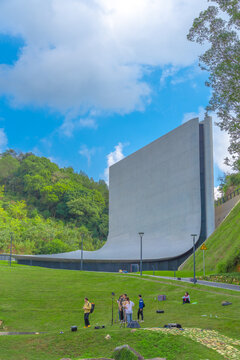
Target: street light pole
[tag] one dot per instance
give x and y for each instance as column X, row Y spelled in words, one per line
column 141, row 236
column 194, row 263
column 203, row 264
column 10, row 260
column 113, row 294
column 82, row 252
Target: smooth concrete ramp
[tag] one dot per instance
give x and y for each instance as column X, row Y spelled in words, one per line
column 165, row 190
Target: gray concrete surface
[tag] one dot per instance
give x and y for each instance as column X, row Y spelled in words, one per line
column 201, row 282
column 157, row 190
column 209, row 176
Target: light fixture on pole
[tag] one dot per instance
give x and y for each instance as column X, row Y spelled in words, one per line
column 141, row 236
column 194, row 263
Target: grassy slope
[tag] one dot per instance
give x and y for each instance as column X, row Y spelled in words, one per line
column 220, row 244
column 38, row 299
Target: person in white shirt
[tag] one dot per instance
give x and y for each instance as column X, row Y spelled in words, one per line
column 186, row 298
column 129, row 309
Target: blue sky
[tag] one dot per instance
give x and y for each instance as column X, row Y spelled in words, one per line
column 86, row 83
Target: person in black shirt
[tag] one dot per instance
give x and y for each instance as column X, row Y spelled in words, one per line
column 120, row 308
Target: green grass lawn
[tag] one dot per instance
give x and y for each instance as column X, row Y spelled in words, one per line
column 47, row 300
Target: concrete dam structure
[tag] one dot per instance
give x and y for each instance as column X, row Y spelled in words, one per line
column 165, row 190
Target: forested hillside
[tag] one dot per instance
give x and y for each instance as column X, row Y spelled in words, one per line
column 48, row 209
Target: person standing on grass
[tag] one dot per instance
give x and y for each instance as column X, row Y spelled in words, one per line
column 140, row 307
column 86, row 308
column 129, row 309
column 120, row 308
column 123, row 306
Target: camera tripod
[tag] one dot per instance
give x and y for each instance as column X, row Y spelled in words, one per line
column 122, row 324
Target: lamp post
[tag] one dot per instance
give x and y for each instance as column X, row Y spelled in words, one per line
column 82, row 252
column 194, row 264
column 141, row 236
column 113, row 294
column 10, row 259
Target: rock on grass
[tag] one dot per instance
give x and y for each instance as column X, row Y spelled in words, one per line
column 126, row 353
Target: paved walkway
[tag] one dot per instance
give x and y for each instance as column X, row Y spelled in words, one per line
column 2, row 333
column 201, row 282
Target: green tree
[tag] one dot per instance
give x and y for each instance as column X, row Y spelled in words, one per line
column 41, row 203
column 17, row 210
column 53, row 247
column 33, row 184
column 8, row 166
column 219, row 26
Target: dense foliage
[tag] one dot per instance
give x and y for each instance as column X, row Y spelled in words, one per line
column 48, row 208
column 229, row 183
column 219, row 26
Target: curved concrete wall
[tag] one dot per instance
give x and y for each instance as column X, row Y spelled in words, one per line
column 165, row 190
column 156, row 190
column 208, row 173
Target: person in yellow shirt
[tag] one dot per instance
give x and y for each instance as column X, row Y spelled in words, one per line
column 86, row 308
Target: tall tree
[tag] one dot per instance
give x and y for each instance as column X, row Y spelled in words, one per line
column 219, row 26
column 8, row 166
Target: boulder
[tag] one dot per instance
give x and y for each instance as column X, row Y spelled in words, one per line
column 125, row 352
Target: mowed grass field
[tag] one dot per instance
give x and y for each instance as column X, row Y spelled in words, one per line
column 50, row 301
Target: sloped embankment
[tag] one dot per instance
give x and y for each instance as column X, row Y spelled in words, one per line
column 223, row 247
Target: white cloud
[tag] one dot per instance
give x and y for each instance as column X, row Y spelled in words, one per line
column 88, row 123
column 220, row 148
column 178, row 74
column 189, row 74
column 217, row 193
column 220, row 139
column 70, row 125
column 92, row 54
column 191, row 115
column 88, row 153
column 3, row 140
column 166, row 73
column 112, row 158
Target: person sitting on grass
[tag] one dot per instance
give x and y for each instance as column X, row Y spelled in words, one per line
column 86, row 308
column 186, row 298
